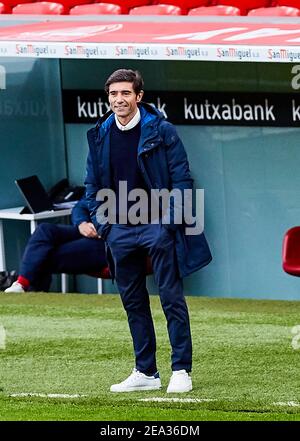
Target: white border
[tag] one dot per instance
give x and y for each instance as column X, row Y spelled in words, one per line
column 134, row 51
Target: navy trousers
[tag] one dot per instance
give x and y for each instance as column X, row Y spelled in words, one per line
column 129, row 245
column 56, row 248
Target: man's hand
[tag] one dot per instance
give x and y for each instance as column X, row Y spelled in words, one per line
column 87, row 229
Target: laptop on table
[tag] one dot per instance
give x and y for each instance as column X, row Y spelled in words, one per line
column 35, row 195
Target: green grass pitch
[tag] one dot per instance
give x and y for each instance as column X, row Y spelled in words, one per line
column 244, row 366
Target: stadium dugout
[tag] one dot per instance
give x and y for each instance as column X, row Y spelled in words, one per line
column 230, row 84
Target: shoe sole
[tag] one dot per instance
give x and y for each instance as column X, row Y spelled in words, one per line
column 136, row 389
column 13, row 292
column 180, row 391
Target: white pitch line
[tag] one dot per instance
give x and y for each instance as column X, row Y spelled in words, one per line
column 2, row 337
column 34, row 394
column 178, row 400
column 206, row 400
column 287, row 403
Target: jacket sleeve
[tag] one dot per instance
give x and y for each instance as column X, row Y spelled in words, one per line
column 80, row 212
column 93, row 185
column 179, row 172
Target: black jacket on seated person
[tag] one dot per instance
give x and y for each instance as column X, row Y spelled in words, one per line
column 59, row 248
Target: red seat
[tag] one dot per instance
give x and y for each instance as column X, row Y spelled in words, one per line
column 281, row 11
column 185, row 5
column 215, row 10
column 156, row 10
column 291, row 3
column 104, row 272
column 245, row 5
column 39, row 8
column 10, row 3
column 68, row 4
column 2, row 8
column 128, row 4
column 95, row 9
column 291, row 252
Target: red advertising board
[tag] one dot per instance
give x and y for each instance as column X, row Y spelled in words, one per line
column 149, row 40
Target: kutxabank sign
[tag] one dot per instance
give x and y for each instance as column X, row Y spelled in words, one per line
column 180, row 40
column 196, row 108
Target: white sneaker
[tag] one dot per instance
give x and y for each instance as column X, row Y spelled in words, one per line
column 15, row 287
column 137, row 381
column 180, row 382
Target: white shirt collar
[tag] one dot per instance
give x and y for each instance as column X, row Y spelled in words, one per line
column 132, row 123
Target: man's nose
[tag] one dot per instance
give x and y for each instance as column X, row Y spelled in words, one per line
column 119, row 97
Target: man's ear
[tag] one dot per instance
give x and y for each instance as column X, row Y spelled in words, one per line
column 140, row 96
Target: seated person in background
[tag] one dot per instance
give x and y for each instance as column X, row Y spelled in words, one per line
column 57, row 248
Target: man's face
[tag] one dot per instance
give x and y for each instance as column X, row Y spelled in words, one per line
column 123, row 101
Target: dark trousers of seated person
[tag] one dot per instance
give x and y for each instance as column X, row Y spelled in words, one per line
column 127, row 243
column 59, row 249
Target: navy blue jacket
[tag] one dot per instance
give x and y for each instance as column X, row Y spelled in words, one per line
column 163, row 163
column 80, row 212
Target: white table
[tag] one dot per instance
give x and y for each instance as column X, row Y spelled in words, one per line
column 14, row 213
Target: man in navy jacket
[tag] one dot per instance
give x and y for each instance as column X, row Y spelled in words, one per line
column 134, row 144
column 58, row 248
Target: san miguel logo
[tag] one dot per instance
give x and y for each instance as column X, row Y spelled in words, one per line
column 237, row 53
column 2, row 78
column 135, row 51
column 187, row 52
column 283, row 54
column 86, row 51
column 31, row 49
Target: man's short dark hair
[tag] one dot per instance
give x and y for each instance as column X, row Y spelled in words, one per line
column 128, row 75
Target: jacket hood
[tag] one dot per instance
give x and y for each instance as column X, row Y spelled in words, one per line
column 150, row 119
